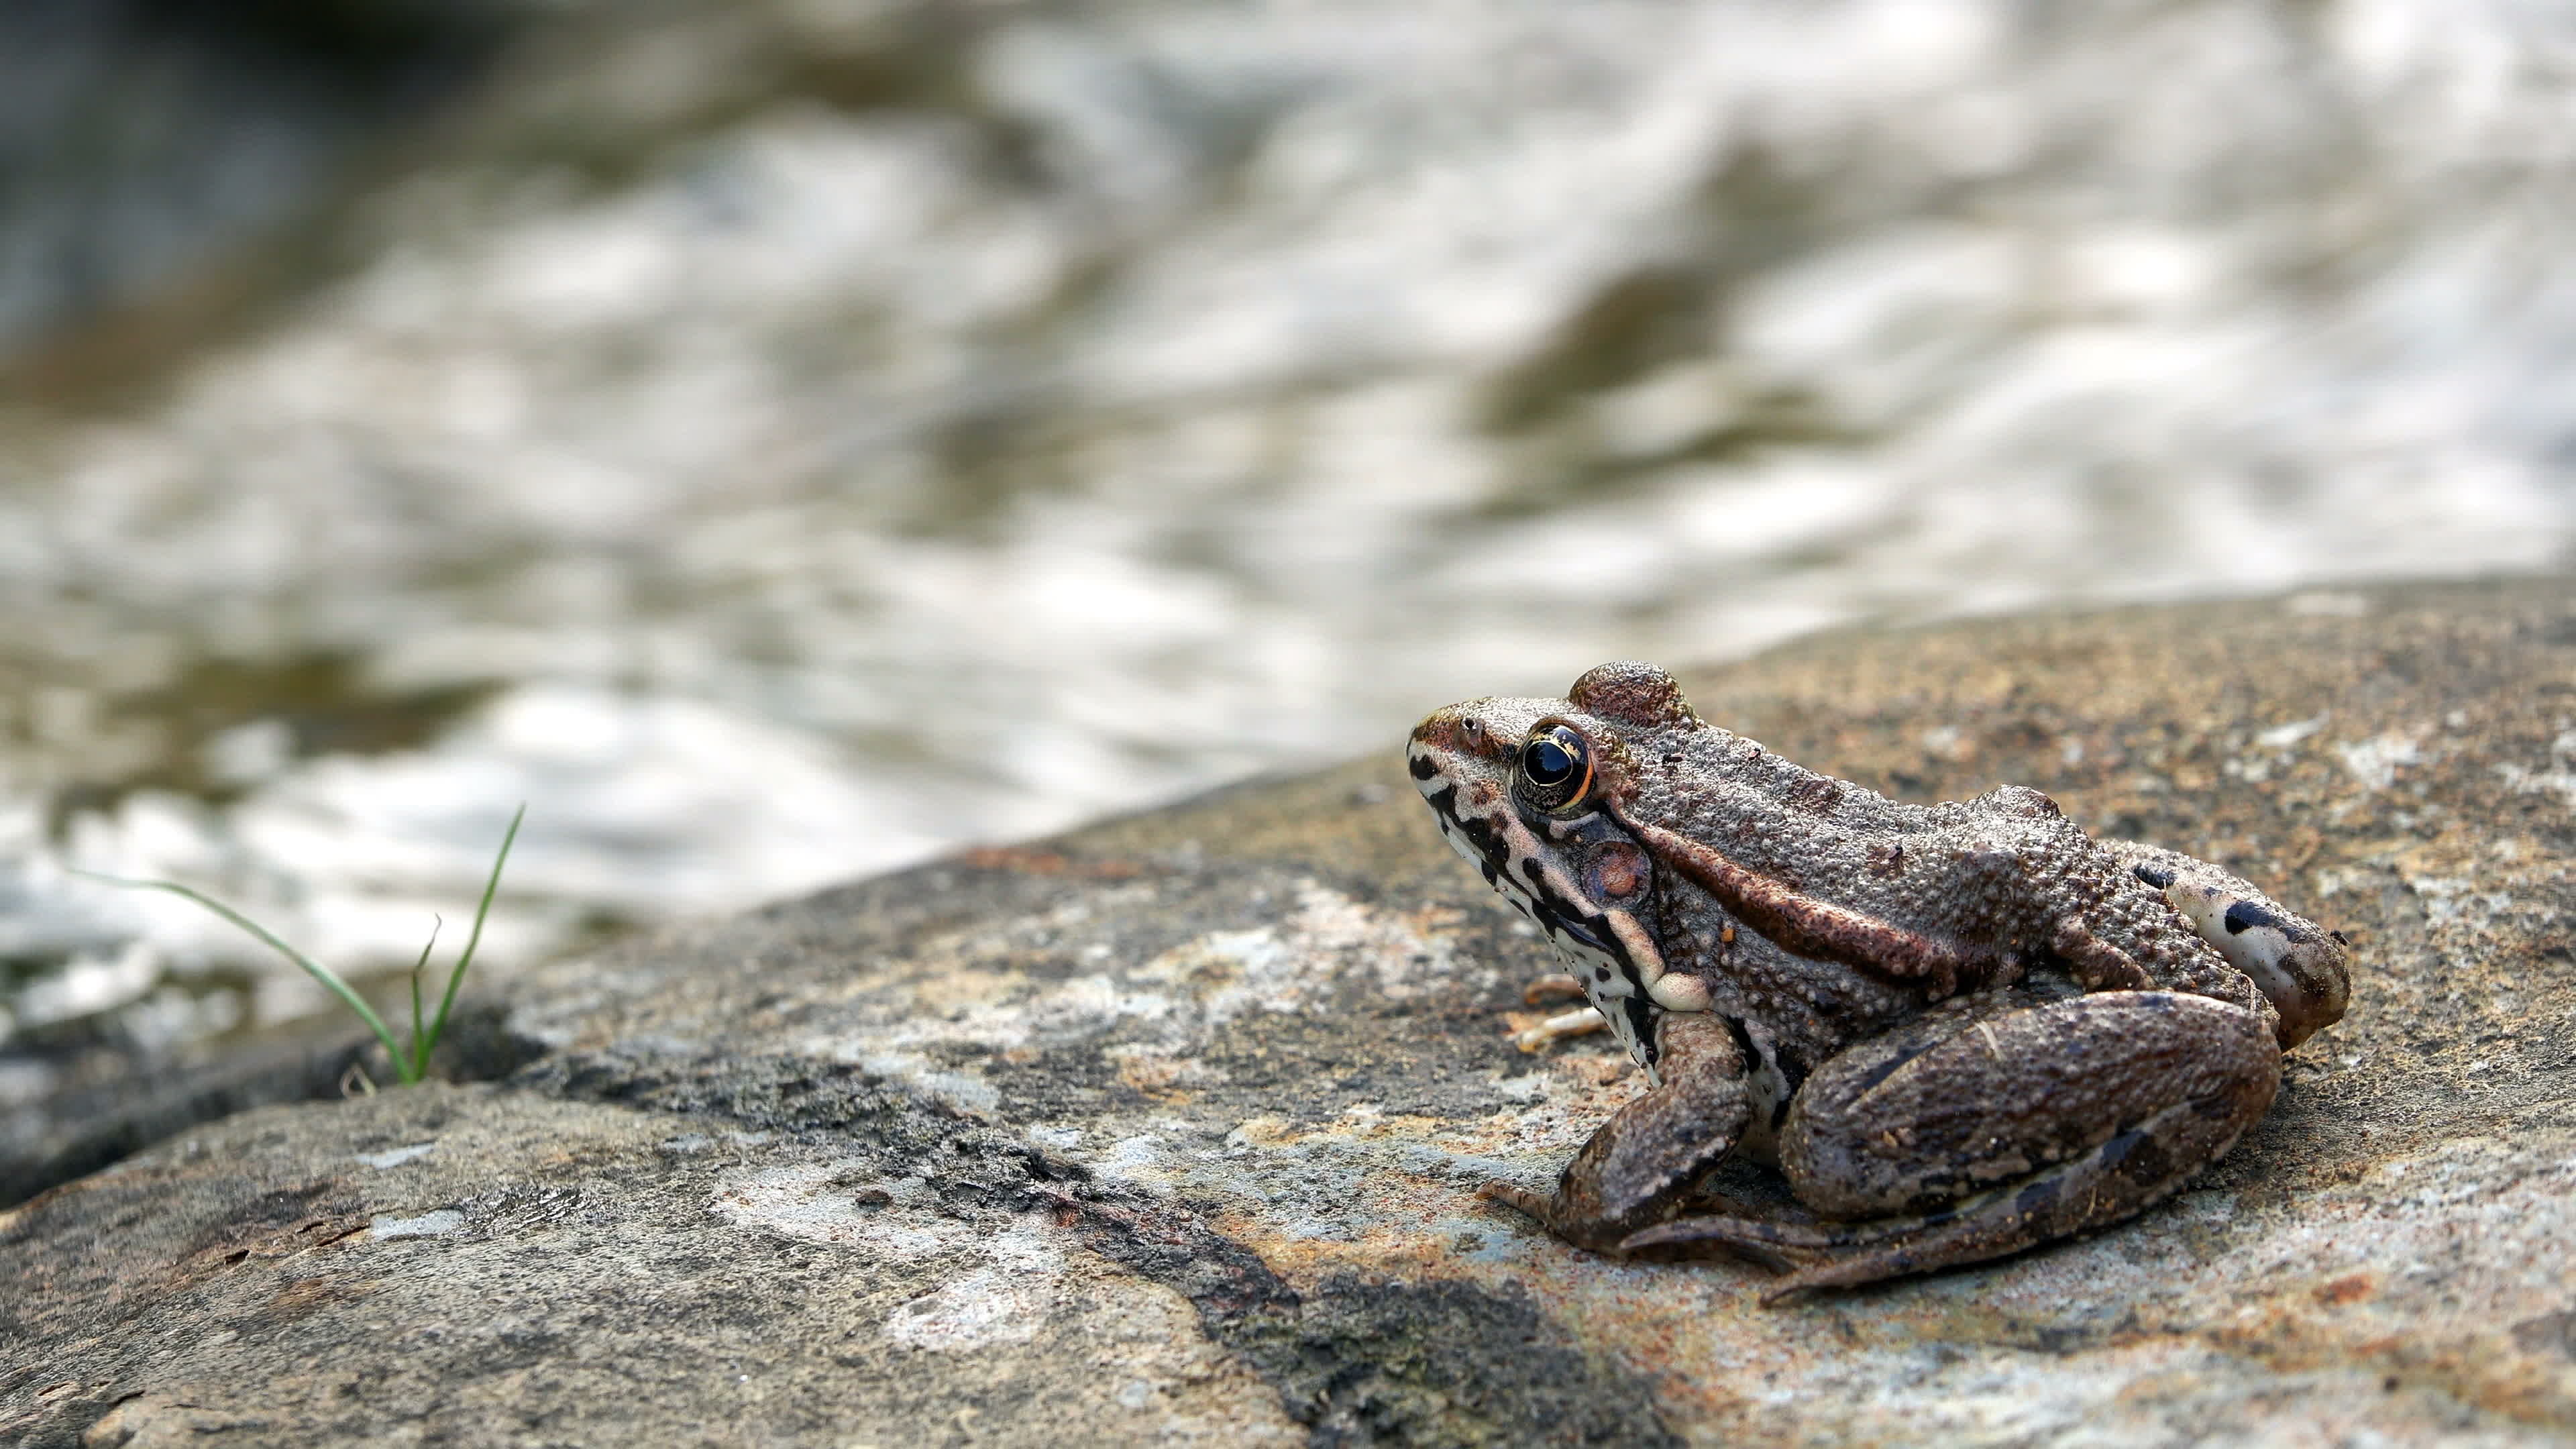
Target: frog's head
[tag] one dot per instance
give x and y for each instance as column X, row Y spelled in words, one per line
column 1524, row 789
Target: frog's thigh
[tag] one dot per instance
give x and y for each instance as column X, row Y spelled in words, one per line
column 1643, row 1161
column 2144, row 1086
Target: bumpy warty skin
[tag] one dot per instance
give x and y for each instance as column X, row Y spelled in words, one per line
column 1958, row 1030
column 1932, row 901
column 1994, row 875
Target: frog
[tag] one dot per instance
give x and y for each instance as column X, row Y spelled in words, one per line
column 1957, row 1031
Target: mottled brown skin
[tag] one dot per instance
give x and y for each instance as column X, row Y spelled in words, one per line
column 1957, row 1030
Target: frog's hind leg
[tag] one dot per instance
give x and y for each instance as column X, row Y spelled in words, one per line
column 1980, row 1133
column 1646, row 1159
column 2302, row 967
column 2068, row 1199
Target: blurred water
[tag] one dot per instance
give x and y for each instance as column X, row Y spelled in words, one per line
column 778, row 442
column 149, row 145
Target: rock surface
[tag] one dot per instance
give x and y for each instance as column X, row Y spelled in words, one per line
column 1170, row 1129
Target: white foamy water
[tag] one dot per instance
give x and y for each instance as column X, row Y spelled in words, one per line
column 1183, row 393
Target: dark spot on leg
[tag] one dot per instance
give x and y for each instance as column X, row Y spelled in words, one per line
column 2154, row 875
column 2032, row 1200
column 1600, row 973
column 2141, row 1158
column 2246, row 914
column 1882, row 1072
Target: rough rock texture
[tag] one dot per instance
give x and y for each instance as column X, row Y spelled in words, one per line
column 1170, row 1129
column 105, row 1118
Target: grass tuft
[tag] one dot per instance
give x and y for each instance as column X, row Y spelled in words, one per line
column 411, row 1062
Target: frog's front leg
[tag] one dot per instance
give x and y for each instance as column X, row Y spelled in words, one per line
column 1643, row 1161
column 1987, row 1129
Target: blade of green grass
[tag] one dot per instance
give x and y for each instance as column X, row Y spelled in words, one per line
column 474, row 937
column 420, row 1059
column 410, row 1064
column 329, row 978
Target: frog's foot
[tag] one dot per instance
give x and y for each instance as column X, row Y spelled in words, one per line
column 1554, row 986
column 1959, row 1140
column 1782, row 1237
column 2067, row 1199
column 2303, row 967
column 1646, row 1158
column 1781, row 1246
column 1578, row 1222
column 1559, row 1027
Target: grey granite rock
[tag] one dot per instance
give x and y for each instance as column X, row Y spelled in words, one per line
column 1169, row 1129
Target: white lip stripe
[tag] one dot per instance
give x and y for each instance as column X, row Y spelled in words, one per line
column 1586, row 962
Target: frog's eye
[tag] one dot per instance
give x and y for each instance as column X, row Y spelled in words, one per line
column 1556, row 768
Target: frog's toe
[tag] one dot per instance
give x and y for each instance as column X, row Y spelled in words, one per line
column 1806, row 1256
column 1781, row 1247
column 1582, row 1021
column 1555, row 986
column 1818, row 1255
column 1806, row 1280
column 1512, row 1195
column 1587, row 1230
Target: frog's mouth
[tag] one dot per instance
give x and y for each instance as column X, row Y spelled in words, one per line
column 1453, row 758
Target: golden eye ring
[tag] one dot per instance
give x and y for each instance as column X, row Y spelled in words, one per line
column 1554, row 767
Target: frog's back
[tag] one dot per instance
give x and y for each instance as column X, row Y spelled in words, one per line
column 1994, row 876
column 1829, row 835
